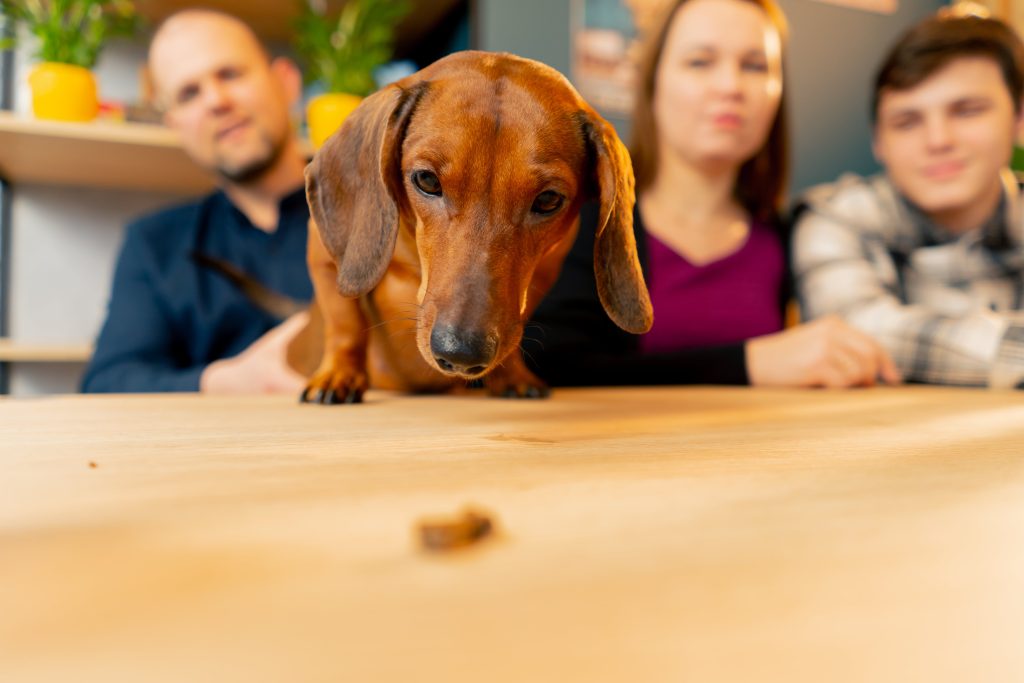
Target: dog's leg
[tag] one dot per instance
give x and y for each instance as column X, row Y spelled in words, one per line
column 341, row 376
column 512, row 379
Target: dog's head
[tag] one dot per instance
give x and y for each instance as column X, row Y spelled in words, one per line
column 487, row 158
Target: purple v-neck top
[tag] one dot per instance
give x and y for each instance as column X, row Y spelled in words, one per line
column 725, row 301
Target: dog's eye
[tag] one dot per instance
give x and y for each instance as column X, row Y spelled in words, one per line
column 547, row 203
column 427, row 183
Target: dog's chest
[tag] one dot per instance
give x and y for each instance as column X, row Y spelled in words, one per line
column 392, row 309
column 393, row 358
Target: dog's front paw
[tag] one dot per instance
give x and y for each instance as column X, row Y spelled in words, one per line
column 540, row 390
column 336, row 384
column 516, row 383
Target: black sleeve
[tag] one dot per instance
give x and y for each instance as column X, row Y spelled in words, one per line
column 787, row 292
column 572, row 342
column 137, row 349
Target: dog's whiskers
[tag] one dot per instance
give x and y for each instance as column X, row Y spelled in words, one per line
column 402, row 338
column 410, row 304
column 404, row 333
column 527, row 354
column 535, row 326
column 382, row 323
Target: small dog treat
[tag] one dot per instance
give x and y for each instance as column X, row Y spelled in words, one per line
column 440, row 534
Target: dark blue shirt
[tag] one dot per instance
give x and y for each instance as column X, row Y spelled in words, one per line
column 169, row 317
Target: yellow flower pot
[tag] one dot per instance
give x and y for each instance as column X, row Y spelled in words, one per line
column 325, row 114
column 63, row 92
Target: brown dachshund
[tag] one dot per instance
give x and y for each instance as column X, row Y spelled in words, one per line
column 443, row 209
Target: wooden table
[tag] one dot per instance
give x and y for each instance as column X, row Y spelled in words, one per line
column 703, row 534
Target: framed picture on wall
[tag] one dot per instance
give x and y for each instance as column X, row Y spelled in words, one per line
column 605, row 49
column 876, row 6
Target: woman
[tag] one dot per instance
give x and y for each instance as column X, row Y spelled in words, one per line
column 710, row 160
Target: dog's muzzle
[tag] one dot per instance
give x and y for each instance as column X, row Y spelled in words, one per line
column 468, row 354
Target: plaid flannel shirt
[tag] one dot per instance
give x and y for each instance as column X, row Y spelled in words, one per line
column 947, row 307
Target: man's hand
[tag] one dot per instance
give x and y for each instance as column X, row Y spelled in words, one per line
column 260, row 369
column 824, row 353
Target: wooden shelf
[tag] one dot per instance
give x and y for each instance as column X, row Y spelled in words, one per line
column 99, row 154
column 12, row 351
column 272, row 19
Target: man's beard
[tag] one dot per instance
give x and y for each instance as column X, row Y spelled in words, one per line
column 253, row 169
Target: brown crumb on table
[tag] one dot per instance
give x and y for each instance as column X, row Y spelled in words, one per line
column 93, row 465
column 441, row 534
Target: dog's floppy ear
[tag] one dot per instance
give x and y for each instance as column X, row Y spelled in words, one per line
column 354, row 187
column 620, row 280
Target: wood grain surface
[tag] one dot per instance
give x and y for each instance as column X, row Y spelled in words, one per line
column 693, row 534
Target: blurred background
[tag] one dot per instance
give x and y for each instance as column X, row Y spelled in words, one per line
column 67, row 189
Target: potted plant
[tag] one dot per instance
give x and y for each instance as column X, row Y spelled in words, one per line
column 70, row 35
column 341, row 54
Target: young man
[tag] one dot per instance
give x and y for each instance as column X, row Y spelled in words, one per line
column 927, row 257
column 173, row 324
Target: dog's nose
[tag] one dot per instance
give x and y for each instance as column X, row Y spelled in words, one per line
column 461, row 352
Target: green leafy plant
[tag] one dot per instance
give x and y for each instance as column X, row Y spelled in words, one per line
column 343, row 51
column 70, row 31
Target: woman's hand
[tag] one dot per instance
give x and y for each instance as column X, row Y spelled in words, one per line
column 823, row 353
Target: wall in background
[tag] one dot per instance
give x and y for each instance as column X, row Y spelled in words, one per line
column 833, row 54
column 538, row 29
column 64, row 241
column 63, row 245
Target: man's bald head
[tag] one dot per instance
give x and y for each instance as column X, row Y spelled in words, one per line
column 183, row 31
column 221, row 91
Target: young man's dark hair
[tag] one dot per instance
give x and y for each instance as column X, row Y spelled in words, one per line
column 932, row 44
